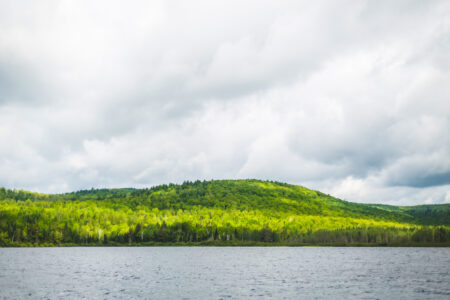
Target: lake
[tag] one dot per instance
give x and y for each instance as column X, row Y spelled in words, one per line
column 224, row 273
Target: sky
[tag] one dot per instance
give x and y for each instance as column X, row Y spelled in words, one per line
column 351, row 98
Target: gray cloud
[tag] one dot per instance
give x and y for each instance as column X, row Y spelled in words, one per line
column 425, row 180
column 350, row 98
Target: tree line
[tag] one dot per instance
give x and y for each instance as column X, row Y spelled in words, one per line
column 96, row 222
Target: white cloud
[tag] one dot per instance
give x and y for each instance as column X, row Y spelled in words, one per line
column 350, row 98
column 447, row 197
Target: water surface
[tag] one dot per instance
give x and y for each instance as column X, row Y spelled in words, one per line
column 224, row 273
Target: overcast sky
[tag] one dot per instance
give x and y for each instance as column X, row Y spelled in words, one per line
column 348, row 97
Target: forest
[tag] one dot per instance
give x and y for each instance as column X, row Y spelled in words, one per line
column 216, row 212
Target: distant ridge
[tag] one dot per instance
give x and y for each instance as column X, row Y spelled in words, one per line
column 232, row 211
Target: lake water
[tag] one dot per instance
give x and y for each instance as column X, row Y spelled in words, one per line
column 224, row 273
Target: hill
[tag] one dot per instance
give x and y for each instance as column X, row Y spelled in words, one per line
column 214, row 212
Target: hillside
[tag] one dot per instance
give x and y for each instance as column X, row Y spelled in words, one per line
column 212, row 211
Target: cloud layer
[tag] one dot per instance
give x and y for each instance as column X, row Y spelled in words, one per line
column 351, row 97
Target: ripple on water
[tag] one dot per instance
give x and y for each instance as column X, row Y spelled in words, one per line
column 224, row 273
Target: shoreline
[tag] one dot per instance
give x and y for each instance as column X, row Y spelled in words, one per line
column 222, row 244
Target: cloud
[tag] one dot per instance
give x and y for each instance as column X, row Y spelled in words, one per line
column 350, row 98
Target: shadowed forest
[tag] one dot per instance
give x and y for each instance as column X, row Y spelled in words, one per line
column 217, row 212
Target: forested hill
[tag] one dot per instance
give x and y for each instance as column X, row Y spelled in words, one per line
column 246, row 195
column 231, row 210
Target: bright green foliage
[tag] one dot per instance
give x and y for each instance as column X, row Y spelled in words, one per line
column 224, row 210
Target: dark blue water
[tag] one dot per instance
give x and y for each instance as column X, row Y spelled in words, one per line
column 224, row 273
